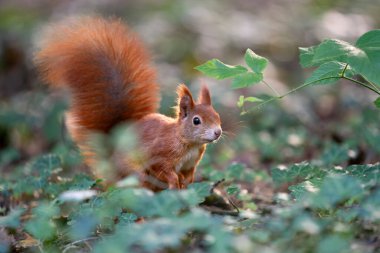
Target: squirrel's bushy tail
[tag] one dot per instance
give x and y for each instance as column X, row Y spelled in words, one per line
column 106, row 70
column 104, row 66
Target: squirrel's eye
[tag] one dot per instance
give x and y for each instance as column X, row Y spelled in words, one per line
column 196, row 121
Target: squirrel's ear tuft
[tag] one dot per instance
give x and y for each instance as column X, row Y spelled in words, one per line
column 204, row 96
column 185, row 101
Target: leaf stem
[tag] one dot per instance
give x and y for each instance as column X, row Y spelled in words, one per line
column 369, row 86
column 374, row 86
column 307, row 84
column 344, row 70
column 267, row 84
column 362, row 84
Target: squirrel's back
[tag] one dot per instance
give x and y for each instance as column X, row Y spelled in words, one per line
column 104, row 66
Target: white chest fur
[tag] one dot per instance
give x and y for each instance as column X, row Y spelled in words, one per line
column 188, row 160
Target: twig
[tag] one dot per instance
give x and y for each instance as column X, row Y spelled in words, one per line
column 216, row 184
column 228, row 198
column 233, row 204
column 221, row 212
column 72, row 245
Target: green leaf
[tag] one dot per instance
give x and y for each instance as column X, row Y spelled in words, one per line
column 218, row 70
column 337, row 189
column 246, row 80
column 332, row 50
column 242, row 100
column 333, row 244
column 41, row 225
column 377, row 102
column 256, row 62
column 329, row 73
column 369, row 174
column 46, row 164
column 364, row 57
column 295, row 172
column 335, row 154
column 235, row 171
column 306, row 56
column 233, row 189
column 12, row 220
column 202, row 189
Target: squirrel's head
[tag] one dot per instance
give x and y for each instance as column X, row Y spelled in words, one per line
column 199, row 122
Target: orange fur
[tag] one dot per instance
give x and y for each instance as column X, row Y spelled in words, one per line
column 108, row 73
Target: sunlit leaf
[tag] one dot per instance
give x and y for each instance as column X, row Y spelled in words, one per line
column 217, row 69
column 256, row 62
column 243, row 99
column 363, row 57
column 246, row 80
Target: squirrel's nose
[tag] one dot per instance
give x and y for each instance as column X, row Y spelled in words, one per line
column 217, row 132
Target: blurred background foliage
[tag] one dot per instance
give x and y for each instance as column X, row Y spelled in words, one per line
column 327, row 126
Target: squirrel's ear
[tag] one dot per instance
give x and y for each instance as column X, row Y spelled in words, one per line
column 185, row 101
column 204, row 96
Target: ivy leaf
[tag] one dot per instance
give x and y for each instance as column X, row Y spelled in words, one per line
column 246, row 80
column 256, row 62
column 329, row 73
column 243, row 99
column 377, row 102
column 219, row 70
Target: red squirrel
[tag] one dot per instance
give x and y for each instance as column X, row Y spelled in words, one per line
column 108, row 74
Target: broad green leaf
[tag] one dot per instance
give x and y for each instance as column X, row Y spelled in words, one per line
column 283, row 174
column 337, row 189
column 335, row 154
column 246, row 79
column 332, row 50
column 369, row 174
column 83, row 226
column 329, row 73
column 377, row 102
column 243, row 99
column 306, row 56
column 366, row 58
column 217, row 69
column 363, row 57
column 256, row 62
column 300, row 191
column 41, row 225
column 202, row 189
